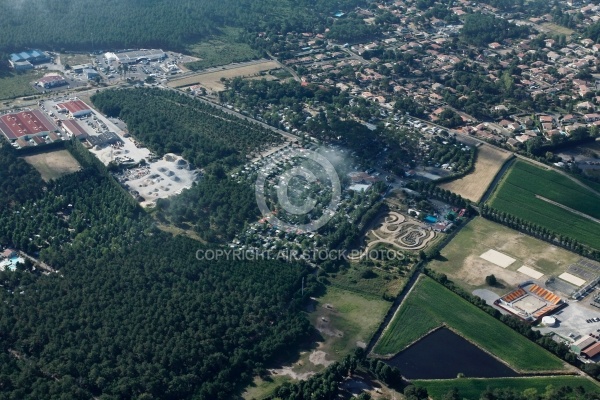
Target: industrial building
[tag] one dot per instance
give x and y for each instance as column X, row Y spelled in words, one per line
column 78, row 69
column 50, row 81
column 578, row 346
column 74, row 129
column 26, row 59
column 90, row 73
column 26, row 125
column 103, row 139
column 592, row 351
column 75, row 108
column 135, row 56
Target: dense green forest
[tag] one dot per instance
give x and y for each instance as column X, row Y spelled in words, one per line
column 151, row 322
column 88, row 24
column 217, row 207
column 131, row 313
column 352, row 29
column 482, row 29
column 169, row 122
column 15, row 191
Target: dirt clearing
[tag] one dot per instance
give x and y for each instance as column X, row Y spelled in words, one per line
column 212, row 80
column 54, row 164
column 473, row 186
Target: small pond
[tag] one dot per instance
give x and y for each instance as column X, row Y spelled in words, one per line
column 443, row 355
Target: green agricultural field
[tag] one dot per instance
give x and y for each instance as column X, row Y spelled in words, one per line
column 15, row 85
column 431, row 304
column 472, row 388
column 517, row 192
column 221, row 50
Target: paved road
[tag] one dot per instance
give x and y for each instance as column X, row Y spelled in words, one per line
column 288, row 69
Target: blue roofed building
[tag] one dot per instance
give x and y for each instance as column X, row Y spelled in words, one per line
column 26, row 59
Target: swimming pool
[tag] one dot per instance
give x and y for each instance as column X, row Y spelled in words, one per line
column 11, row 263
column 431, row 219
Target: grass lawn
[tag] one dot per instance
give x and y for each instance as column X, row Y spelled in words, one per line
column 357, row 317
column 260, row 388
column 221, row 50
column 556, row 29
column 430, row 304
column 18, row 84
column 53, row 164
column 75, row 59
column 517, row 192
column 461, row 263
column 471, row 388
column 380, row 283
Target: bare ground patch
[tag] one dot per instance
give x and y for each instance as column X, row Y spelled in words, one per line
column 54, row 164
column 476, row 269
column 473, row 186
column 212, row 80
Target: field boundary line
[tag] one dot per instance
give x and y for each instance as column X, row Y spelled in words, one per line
column 497, row 179
column 568, row 208
column 387, row 321
column 561, row 172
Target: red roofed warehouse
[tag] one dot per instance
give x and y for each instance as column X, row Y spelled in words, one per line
column 26, row 124
column 76, row 108
column 74, row 129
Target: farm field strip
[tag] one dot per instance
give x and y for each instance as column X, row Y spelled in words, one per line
column 568, row 209
column 212, row 80
column 553, row 186
column 518, row 194
column 430, row 305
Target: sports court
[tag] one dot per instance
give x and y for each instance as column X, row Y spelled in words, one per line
column 497, row 258
column 565, row 276
column 530, row 272
column 529, row 304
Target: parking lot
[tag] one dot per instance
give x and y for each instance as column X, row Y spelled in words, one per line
column 579, row 318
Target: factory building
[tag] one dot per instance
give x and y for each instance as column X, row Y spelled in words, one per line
column 90, row 73
column 74, row 129
column 26, row 125
column 136, row 56
column 75, row 108
column 26, row 59
column 51, row 81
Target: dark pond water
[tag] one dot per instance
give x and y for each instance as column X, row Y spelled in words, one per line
column 443, row 355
